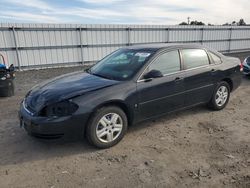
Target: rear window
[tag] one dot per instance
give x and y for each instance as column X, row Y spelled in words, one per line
column 193, row 58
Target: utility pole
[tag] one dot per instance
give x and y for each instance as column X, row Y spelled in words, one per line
column 188, row 20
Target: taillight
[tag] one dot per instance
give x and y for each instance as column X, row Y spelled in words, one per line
column 241, row 66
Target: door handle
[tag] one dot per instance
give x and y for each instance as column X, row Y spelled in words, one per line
column 177, row 79
column 148, row 80
column 213, row 70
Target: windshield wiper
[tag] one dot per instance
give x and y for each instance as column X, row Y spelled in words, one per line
column 100, row 75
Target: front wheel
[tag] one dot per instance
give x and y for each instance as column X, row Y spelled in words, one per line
column 107, row 127
column 220, row 97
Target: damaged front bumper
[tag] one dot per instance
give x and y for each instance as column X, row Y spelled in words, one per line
column 52, row 127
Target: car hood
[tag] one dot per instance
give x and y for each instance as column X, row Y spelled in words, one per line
column 64, row 87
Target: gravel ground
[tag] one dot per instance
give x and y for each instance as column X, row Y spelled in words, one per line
column 192, row 148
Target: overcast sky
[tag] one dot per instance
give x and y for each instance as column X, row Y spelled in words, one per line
column 124, row 11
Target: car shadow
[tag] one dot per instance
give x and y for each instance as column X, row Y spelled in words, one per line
column 24, row 148
column 21, row 148
column 202, row 109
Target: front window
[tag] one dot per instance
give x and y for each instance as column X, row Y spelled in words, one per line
column 122, row 64
column 167, row 63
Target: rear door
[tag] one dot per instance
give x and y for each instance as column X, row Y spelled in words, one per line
column 198, row 81
column 164, row 94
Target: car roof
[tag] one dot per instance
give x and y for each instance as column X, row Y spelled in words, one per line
column 159, row 46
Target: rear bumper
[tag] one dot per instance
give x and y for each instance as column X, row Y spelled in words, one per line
column 44, row 127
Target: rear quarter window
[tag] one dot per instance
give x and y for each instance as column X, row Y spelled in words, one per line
column 216, row 59
column 193, row 58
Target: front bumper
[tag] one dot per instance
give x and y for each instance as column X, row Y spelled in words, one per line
column 46, row 127
column 246, row 69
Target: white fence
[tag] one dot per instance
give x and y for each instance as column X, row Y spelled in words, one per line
column 37, row 45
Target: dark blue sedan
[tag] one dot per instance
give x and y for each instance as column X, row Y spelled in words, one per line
column 130, row 85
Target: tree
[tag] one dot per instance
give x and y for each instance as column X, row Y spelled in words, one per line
column 183, row 23
column 196, row 23
column 241, row 22
column 234, row 23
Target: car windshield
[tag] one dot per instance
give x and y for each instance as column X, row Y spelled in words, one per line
column 122, row 64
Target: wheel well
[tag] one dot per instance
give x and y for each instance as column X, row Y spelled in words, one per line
column 230, row 83
column 118, row 104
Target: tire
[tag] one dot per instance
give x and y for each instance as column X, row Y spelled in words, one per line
column 214, row 104
column 107, row 127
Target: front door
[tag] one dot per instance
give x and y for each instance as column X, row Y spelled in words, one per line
column 164, row 94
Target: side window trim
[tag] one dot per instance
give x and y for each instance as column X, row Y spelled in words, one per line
column 140, row 79
column 199, row 67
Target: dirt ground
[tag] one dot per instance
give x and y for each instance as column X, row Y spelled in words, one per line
column 192, row 148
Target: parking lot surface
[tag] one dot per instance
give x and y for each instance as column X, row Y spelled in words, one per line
column 191, row 148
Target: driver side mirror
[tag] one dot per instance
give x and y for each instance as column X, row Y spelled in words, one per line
column 153, row 74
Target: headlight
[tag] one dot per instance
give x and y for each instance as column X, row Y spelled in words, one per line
column 64, row 108
column 3, row 78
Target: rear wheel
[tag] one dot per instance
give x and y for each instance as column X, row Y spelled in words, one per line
column 107, row 127
column 220, row 97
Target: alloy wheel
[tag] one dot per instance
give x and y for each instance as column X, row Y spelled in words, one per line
column 109, row 127
column 221, row 96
